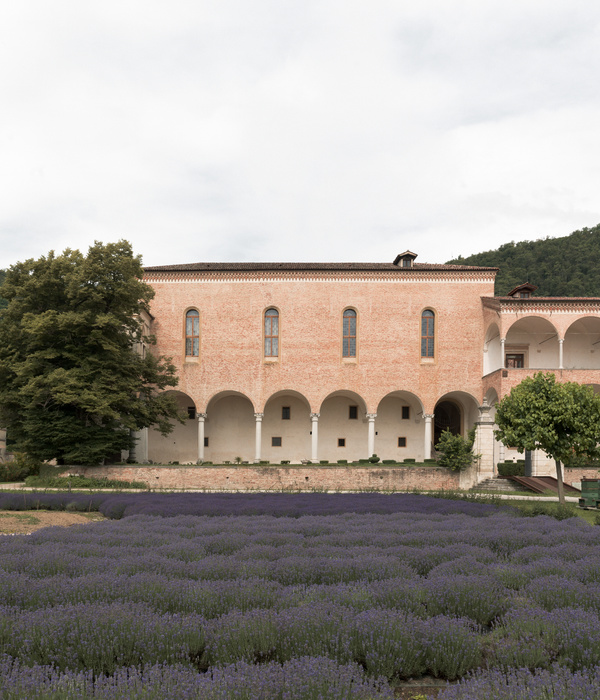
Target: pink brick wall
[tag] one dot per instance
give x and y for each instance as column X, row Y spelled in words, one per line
column 274, row 478
column 310, row 307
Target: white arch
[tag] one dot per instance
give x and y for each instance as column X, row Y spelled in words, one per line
column 400, row 427
column 337, row 423
column 287, row 417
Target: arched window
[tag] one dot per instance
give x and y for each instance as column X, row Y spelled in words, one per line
column 427, row 333
column 271, row 333
column 192, row 333
column 349, row 333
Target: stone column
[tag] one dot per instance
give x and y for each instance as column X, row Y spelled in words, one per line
column 484, row 443
column 258, row 442
column 314, row 440
column 201, row 418
column 502, row 355
column 427, row 444
column 560, row 353
column 501, row 452
column 371, row 434
column 140, row 446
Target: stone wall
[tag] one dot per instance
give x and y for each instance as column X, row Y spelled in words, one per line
column 277, row 478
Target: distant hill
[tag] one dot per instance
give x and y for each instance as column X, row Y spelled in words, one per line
column 560, row 267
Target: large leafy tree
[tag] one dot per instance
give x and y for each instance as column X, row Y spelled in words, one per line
column 561, row 419
column 73, row 382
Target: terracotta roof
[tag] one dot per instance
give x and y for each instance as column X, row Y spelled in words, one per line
column 526, row 287
column 331, row 267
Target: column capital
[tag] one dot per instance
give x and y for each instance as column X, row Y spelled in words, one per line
column 561, row 340
column 315, row 416
column 428, row 416
column 259, row 417
column 371, row 416
column 201, row 417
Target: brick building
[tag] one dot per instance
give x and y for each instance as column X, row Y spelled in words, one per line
column 315, row 361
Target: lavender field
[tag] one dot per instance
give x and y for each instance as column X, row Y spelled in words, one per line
column 300, row 605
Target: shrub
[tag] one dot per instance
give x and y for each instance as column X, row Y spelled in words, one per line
column 373, row 459
column 456, row 451
column 558, row 511
column 409, row 460
column 430, row 461
column 20, row 467
column 324, row 461
column 510, row 468
column 389, row 461
column 342, row 461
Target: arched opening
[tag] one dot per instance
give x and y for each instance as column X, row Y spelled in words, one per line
column 581, row 349
column 531, row 342
column 399, row 427
column 286, row 428
column 180, row 445
column 448, row 416
column 456, row 411
column 229, row 429
column 343, row 429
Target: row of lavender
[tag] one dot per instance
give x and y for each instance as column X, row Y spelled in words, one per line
column 399, row 595
column 121, row 505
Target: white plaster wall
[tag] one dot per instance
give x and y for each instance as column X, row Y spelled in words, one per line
column 389, row 426
column 334, row 423
column 230, row 428
column 492, row 353
column 294, row 433
column 181, row 445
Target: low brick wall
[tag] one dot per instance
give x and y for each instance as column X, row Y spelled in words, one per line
column 571, row 475
column 277, row 478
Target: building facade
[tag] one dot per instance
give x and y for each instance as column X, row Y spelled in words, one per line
column 286, row 362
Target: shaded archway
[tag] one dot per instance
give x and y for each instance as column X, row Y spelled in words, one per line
column 286, row 428
column 456, row 411
column 400, row 427
column 343, row 430
column 180, row 445
column 229, row 432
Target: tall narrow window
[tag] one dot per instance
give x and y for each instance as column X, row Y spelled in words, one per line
column 427, row 333
column 192, row 333
column 349, row 340
column 271, row 333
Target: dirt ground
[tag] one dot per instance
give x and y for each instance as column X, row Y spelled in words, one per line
column 25, row 522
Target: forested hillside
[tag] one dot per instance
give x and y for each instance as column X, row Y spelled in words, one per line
column 563, row 267
column 3, row 302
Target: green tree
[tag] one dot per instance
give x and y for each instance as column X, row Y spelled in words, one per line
column 456, row 451
column 561, row 419
column 73, row 382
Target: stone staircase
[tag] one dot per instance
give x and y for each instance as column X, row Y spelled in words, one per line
column 497, row 484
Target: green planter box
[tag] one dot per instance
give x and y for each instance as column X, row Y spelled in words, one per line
column 589, row 493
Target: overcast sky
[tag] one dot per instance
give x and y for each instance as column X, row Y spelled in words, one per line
column 297, row 130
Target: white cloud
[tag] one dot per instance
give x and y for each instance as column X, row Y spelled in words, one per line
column 313, row 130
